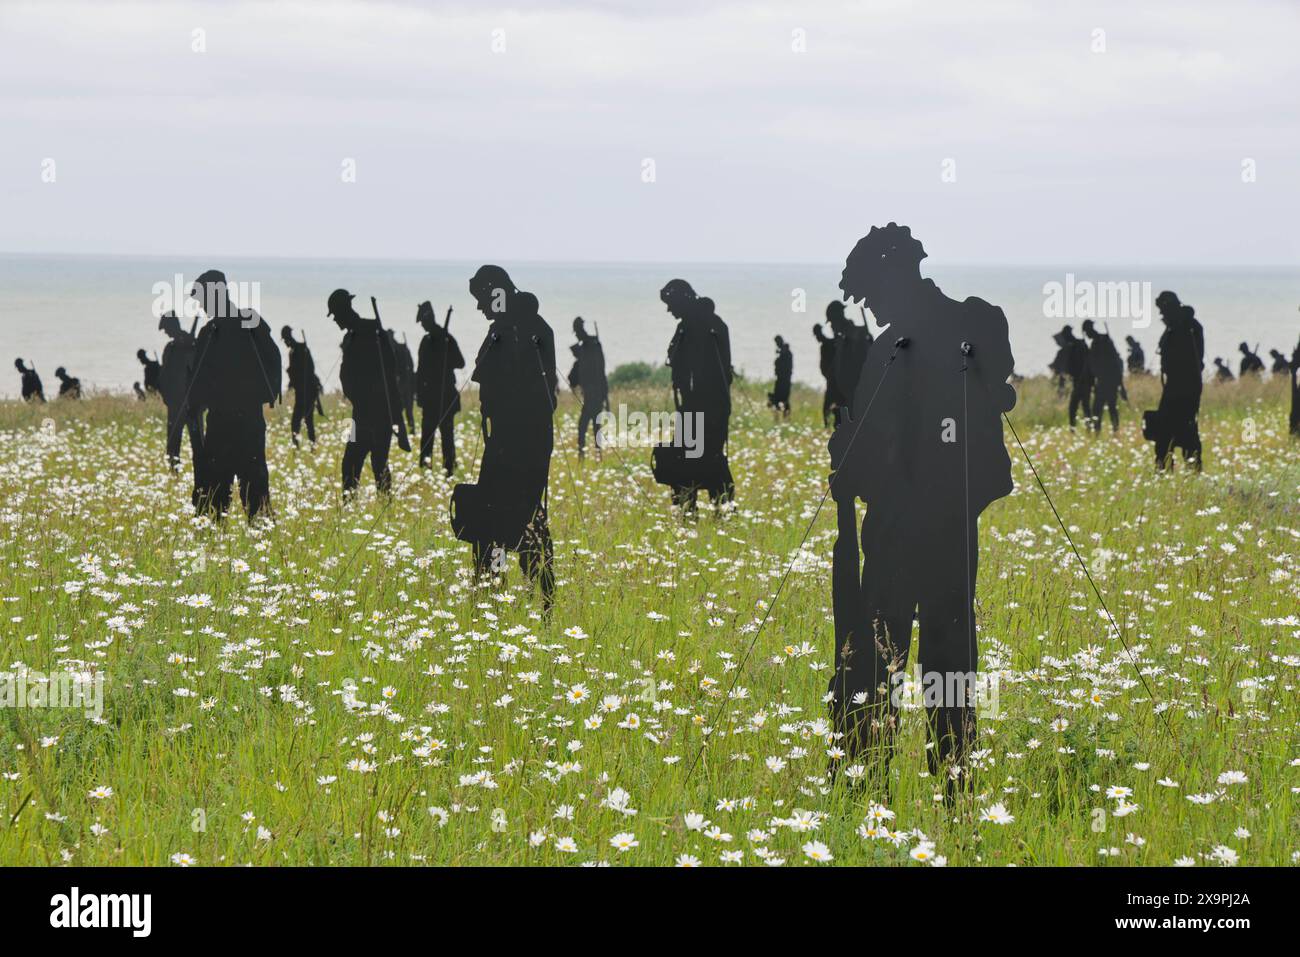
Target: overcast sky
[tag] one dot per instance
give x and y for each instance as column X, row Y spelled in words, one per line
column 1055, row 152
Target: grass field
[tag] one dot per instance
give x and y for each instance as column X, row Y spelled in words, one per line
column 331, row 689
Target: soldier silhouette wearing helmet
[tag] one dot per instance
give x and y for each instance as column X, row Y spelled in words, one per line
column 1251, row 363
column 174, row 371
column 368, row 374
column 1107, row 370
column 69, row 386
column 32, row 390
column 779, row 397
column 515, row 370
column 236, row 372
column 826, row 363
column 699, row 356
column 305, row 385
column 1223, row 371
column 1182, row 362
column 922, row 446
column 152, row 372
column 435, row 386
column 1137, row 358
column 1072, row 361
column 588, row 377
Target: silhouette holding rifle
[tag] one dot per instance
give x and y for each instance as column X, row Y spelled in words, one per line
column 32, row 390
column 305, row 385
column 588, row 377
column 368, row 376
column 435, row 386
column 174, row 371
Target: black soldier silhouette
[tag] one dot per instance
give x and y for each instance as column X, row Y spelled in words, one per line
column 405, row 376
column 1137, row 358
column 69, row 386
column 368, row 374
column 152, row 372
column 435, row 386
column 236, row 371
column 1251, row 363
column 588, row 377
column 178, row 360
column 305, row 385
column 699, row 356
column 1108, row 375
column 826, row 363
column 922, row 446
column 1072, row 361
column 779, row 397
column 852, row 344
column 1222, row 371
column 1295, row 390
column 32, row 390
column 1281, row 364
column 1182, row 361
column 515, row 370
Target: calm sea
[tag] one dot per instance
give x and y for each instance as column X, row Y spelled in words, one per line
column 91, row 313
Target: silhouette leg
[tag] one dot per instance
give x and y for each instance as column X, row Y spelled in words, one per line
column 354, row 457
column 382, row 440
column 447, row 429
column 948, row 654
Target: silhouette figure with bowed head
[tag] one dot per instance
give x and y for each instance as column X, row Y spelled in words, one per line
column 178, row 358
column 1108, row 376
column 1251, row 363
column 699, row 356
column 32, row 390
column 1072, row 361
column 588, row 377
column 435, row 386
column 1281, row 364
column 826, row 363
column 1137, row 358
column 69, row 386
column 922, row 446
column 1182, row 362
column 152, row 371
column 1222, row 371
column 368, row 374
column 515, row 369
column 779, row 397
column 405, row 376
column 236, row 372
column 305, row 385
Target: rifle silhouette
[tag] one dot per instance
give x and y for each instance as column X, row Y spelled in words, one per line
column 403, row 440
